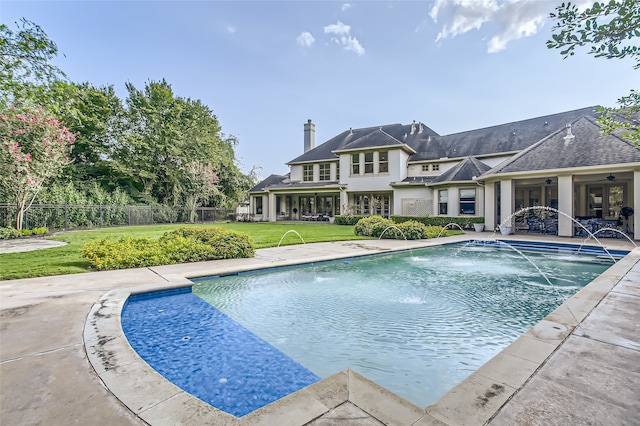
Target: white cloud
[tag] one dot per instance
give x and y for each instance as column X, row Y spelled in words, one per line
column 343, row 38
column 346, row 6
column 337, row 29
column 512, row 19
column 352, row 44
column 231, row 29
column 305, row 39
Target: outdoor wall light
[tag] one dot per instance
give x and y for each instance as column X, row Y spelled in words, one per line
column 611, row 177
column 548, row 181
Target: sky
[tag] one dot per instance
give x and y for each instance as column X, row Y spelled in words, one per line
column 266, row 67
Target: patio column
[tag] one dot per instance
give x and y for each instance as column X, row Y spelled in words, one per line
column 506, row 203
column 636, row 205
column 490, row 218
column 272, row 207
column 454, row 201
column 344, row 200
column 565, row 205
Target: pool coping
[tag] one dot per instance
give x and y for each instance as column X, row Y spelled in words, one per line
column 476, row 400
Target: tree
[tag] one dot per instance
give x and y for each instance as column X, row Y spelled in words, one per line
column 198, row 186
column 34, row 147
column 610, row 29
column 165, row 133
column 24, row 63
column 95, row 116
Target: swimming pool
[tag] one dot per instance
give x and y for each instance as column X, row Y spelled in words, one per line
column 371, row 302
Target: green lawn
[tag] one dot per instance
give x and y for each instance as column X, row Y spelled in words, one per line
column 67, row 259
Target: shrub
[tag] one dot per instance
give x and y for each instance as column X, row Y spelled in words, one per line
column 187, row 244
column 40, row 231
column 26, row 232
column 372, row 226
column 413, row 230
column 348, row 219
column 8, row 233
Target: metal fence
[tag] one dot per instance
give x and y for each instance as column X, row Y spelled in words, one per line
column 68, row 216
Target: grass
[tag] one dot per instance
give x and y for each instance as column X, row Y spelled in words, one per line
column 67, row 259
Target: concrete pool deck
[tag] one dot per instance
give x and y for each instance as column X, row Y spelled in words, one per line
column 63, row 358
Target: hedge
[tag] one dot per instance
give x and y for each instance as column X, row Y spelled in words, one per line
column 188, row 244
column 465, row 222
column 379, row 227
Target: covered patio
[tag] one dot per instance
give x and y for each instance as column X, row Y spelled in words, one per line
column 578, row 204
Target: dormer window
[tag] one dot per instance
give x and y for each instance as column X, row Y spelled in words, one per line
column 425, row 167
column 435, row 167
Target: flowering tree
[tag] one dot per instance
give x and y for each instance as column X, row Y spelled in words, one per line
column 199, row 186
column 34, row 147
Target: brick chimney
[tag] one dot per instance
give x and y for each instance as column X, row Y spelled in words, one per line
column 309, row 135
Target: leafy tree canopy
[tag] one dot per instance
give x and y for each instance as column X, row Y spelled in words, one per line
column 25, row 68
column 143, row 145
column 611, row 30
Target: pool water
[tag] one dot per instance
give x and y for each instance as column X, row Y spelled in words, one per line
column 416, row 322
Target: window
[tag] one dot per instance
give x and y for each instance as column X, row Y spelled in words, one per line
column 368, row 162
column 307, row 173
column 443, row 199
column 425, row 167
column 468, row 201
column 338, row 171
column 355, row 164
column 435, row 167
column 383, row 162
column 325, row 171
column 258, row 205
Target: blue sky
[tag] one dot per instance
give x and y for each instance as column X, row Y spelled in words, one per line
column 265, row 67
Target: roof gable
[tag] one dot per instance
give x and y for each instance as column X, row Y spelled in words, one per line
column 370, row 137
column 271, row 180
column 377, row 138
column 465, row 170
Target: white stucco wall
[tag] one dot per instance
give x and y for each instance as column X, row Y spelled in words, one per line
column 296, row 172
column 410, row 193
column 375, row 181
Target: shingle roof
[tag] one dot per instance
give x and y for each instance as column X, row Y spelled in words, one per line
column 465, row 170
column 378, row 138
column 370, row 137
column 415, row 180
column 271, row 180
column 283, row 182
column 293, row 185
column 428, row 145
column 588, row 147
column 508, row 137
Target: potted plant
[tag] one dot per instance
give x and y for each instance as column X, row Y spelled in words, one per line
column 479, row 227
column 505, row 229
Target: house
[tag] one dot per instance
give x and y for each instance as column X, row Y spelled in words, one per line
column 510, row 174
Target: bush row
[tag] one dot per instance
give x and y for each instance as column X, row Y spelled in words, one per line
column 463, row 221
column 187, row 244
column 377, row 226
column 8, row 233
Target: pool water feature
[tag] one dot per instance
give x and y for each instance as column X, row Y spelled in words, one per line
column 417, row 322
